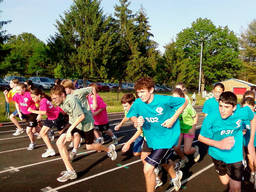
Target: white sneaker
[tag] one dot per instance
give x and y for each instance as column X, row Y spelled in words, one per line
column 18, row 132
column 158, row 182
column 183, row 162
column 49, row 153
column 115, row 140
column 177, row 180
column 196, row 154
column 31, row 146
column 67, row 175
column 72, row 155
column 112, row 154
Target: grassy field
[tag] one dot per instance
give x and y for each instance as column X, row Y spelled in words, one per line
column 112, row 99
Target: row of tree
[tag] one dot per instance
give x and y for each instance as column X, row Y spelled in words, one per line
column 91, row 45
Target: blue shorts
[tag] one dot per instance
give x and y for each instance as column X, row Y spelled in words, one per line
column 15, row 113
column 138, row 144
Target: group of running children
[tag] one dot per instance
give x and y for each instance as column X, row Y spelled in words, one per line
column 162, row 123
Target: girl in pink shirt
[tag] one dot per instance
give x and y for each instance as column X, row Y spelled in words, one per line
column 23, row 101
column 55, row 118
column 100, row 117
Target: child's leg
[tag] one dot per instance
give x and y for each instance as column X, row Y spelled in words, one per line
column 188, row 149
column 44, row 135
column 177, row 148
column 15, row 121
column 30, row 134
column 76, row 140
column 64, row 152
column 234, row 186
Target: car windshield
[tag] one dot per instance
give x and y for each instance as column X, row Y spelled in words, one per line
column 44, row 79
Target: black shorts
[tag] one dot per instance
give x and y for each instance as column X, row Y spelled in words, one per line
column 157, row 156
column 87, row 136
column 30, row 119
column 59, row 123
column 102, row 128
column 233, row 170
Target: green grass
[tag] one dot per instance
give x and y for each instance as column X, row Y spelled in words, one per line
column 112, row 99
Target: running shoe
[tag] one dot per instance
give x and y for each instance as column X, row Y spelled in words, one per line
column 100, row 140
column 158, row 182
column 196, row 154
column 72, row 155
column 49, row 153
column 183, row 162
column 18, row 132
column 31, row 146
column 67, row 175
column 112, row 154
column 51, row 135
column 115, row 140
column 177, row 180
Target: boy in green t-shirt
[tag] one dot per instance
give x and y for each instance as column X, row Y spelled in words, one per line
column 79, row 123
column 188, row 121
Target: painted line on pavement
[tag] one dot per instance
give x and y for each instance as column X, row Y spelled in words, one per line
column 93, row 176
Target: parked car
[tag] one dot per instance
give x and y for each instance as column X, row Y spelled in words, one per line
column 9, row 78
column 103, row 86
column 4, row 85
column 127, row 86
column 42, row 82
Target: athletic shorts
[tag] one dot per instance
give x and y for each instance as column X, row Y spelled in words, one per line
column 102, row 128
column 138, row 144
column 87, row 136
column 30, row 119
column 59, row 123
column 233, row 170
column 15, row 113
column 158, row 156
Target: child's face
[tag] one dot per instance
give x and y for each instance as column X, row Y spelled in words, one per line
column 226, row 110
column 217, row 92
column 68, row 91
column 146, row 95
column 57, row 99
column 35, row 98
column 20, row 90
column 12, row 85
column 126, row 106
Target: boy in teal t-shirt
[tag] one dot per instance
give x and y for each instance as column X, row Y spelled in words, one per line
column 212, row 104
column 223, row 132
column 157, row 115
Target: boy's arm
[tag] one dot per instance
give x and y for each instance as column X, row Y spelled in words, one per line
column 97, row 112
column 18, row 110
column 131, row 140
column 5, row 96
column 37, row 111
column 117, row 127
column 94, row 98
column 224, row 144
column 251, row 148
column 169, row 122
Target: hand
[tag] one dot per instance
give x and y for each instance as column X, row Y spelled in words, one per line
column 5, row 92
column 251, row 150
column 126, row 147
column 39, row 118
column 94, row 106
column 140, row 121
column 226, row 144
column 117, row 127
column 68, row 136
column 168, row 123
column 29, row 109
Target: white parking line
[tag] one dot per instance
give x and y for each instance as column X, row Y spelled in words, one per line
column 93, row 176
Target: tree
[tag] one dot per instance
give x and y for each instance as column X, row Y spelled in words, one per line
column 248, row 53
column 27, row 55
column 220, row 54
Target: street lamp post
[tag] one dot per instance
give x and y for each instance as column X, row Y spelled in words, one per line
column 200, row 68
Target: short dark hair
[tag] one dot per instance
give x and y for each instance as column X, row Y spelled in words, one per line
column 228, row 97
column 219, row 85
column 248, row 100
column 144, row 82
column 248, row 94
column 179, row 92
column 128, row 98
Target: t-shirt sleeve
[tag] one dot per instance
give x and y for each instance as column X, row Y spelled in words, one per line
column 43, row 105
column 192, row 111
column 175, row 102
column 205, row 107
column 15, row 98
column 133, row 111
column 206, row 129
column 247, row 113
column 83, row 91
column 100, row 103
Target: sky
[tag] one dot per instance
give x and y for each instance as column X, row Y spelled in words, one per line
column 166, row 17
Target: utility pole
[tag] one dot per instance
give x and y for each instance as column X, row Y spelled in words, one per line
column 200, row 68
